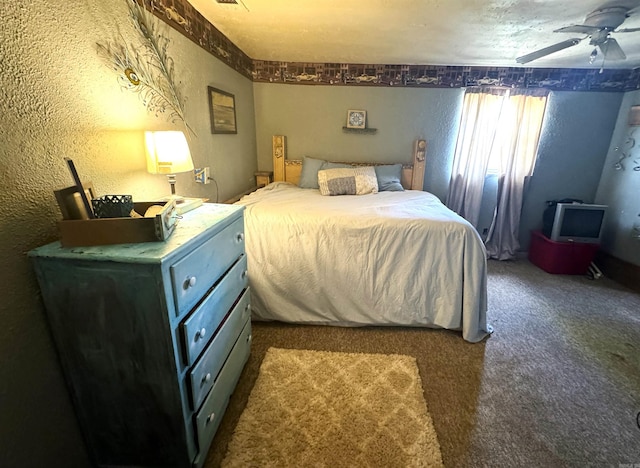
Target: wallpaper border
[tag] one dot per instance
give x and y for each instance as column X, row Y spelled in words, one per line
column 180, row 15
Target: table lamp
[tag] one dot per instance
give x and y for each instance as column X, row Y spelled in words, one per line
column 168, row 153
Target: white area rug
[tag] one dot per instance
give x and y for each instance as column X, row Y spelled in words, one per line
column 318, row 408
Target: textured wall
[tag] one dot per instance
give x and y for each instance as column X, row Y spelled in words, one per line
column 620, row 189
column 573, row 145
column 59, row 99
column 312, row 118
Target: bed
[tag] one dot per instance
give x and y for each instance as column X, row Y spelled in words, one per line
column 392, row 258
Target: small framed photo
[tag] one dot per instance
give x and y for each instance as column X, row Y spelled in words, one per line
column 70, row 202
column 222, row 107
column 356, row 119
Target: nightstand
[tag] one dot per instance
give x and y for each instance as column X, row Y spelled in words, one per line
column 152, row 337
column 263, row 178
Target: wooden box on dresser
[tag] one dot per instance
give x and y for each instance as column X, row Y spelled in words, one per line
column 152, row 337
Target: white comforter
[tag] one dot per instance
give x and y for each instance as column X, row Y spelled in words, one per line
column 391, row 258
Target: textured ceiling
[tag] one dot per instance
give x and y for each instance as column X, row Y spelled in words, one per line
column 434, row 32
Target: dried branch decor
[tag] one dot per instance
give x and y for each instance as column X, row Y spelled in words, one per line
column 146, row 69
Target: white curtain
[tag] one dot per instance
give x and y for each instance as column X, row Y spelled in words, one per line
column 499, row 129
column 480, row 116
column 520, row 133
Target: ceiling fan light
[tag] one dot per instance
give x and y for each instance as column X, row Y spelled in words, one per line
column 594, row 54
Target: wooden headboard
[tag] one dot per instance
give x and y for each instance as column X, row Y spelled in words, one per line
column 288, row 170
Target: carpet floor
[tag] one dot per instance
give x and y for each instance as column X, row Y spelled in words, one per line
column 320, row 408
column 556, row 385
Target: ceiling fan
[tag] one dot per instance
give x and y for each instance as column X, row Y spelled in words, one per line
column 598, row 27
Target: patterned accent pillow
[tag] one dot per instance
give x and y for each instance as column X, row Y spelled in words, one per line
column 348, row 181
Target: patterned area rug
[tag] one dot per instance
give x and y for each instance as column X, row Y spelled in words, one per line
column 318, row 408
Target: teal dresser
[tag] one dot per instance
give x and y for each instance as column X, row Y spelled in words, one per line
column 152, row 337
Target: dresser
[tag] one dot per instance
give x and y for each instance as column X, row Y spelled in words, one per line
column 152, row 337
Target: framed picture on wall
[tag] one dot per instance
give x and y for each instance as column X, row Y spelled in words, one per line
column 222, row 107
column 356, row 119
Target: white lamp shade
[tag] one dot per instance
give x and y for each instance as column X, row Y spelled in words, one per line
column 167, row 152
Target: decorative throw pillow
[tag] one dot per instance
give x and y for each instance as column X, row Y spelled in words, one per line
column 309, row 172
column 389, row 177
column 348, row 181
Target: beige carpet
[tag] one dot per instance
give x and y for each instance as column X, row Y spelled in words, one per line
column 320, row 408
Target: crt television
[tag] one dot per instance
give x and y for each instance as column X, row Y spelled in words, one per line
column 578, row 222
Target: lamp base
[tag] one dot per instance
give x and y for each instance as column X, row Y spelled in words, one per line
column 184, row 204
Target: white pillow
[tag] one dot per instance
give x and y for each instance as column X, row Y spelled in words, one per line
column 348, row 181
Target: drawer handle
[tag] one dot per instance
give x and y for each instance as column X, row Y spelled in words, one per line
column 240, row 237
column 201, row 333
column 210, row 418
column 247, row 308
column 248, row 338
column 206, row 378
column 244, row 274
column 190, row 282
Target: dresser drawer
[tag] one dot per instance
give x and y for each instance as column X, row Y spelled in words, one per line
column 209, row 417
column 198, row 329
column 204, row 374
column 194, row 274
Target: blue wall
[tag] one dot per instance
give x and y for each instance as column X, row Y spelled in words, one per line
column 575, row 136
column 620, row 188
column 312, row 118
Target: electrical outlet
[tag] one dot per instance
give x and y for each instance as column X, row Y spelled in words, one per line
column 201, row 175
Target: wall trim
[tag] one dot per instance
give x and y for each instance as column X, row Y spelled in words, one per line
column 184, row 18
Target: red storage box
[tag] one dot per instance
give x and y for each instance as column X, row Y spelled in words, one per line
column 561, row 258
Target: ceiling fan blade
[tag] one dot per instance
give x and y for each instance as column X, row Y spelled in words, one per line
column 548, row 50
column 579, row 28
column 612, row 50
column 627, row 30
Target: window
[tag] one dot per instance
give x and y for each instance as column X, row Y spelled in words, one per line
column 499, row 133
